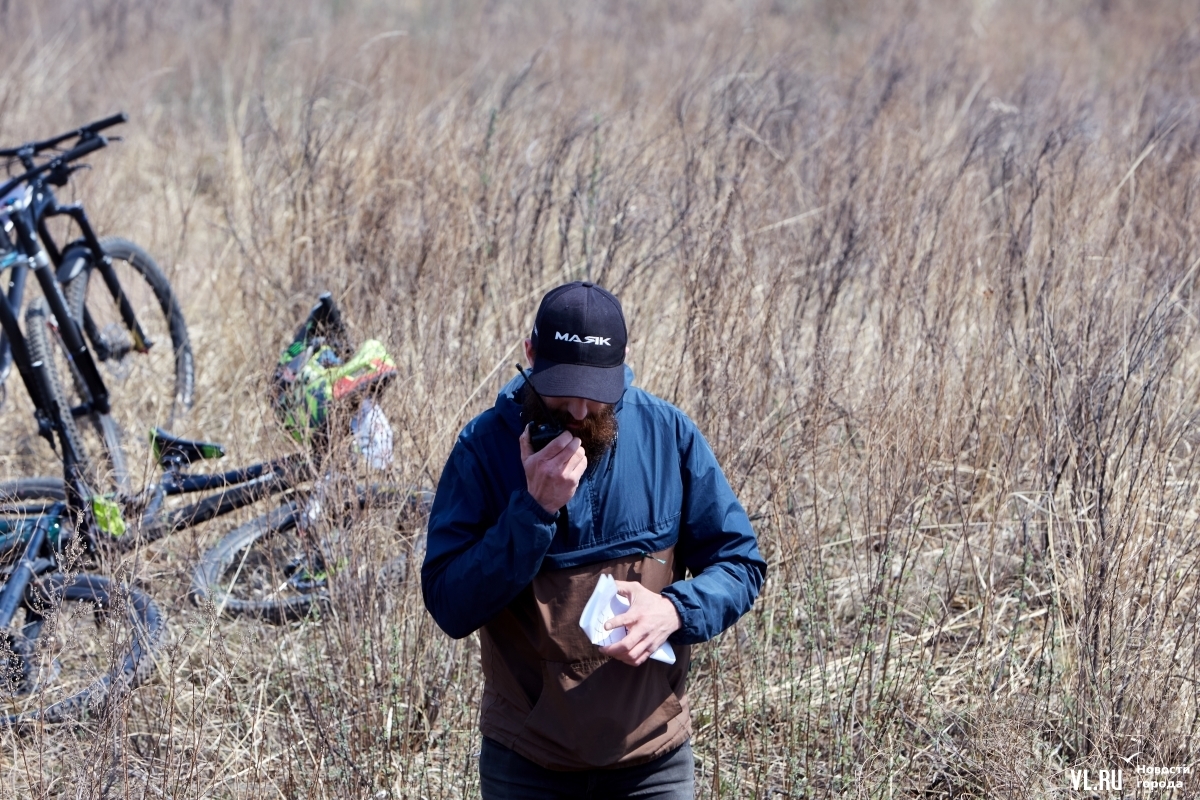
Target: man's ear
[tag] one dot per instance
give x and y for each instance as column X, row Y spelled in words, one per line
column 530, row 353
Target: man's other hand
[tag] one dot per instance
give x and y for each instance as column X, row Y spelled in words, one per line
column 552, row 474
column 651, row 618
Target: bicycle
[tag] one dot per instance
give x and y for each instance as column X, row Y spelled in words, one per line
column 107, row 290
column 54, row 665
column 273, row 567
column 309, row 486
column 280, row 567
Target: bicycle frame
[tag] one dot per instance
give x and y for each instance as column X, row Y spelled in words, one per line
column 36, row 260
column 45, row 206
column 231, row 490
column 237, row 489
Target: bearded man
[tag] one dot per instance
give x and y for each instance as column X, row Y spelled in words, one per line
column 519, row 539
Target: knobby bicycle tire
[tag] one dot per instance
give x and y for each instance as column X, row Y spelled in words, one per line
column 101, row 457
column 252, row 554
column 15, row 491
column 208, row 578
column 125, row 669
column 140, row 368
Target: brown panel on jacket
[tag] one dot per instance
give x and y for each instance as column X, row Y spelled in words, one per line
column 553, row 698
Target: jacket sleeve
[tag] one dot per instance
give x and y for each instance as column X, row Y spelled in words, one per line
column 717, row 544
column 474, row 567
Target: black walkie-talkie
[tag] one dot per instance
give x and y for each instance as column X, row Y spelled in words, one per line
column 540, row 434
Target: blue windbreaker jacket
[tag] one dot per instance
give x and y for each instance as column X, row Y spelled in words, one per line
column 658, row 486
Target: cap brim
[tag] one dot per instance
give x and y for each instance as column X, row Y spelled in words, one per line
column 601, row 384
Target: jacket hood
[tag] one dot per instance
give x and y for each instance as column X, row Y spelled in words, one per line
column 508, row 401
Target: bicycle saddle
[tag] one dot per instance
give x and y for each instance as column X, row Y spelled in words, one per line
column 176, row 451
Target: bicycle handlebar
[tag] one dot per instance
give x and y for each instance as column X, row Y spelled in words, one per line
column 87, row 131
column 107, row 122
column 91, row 144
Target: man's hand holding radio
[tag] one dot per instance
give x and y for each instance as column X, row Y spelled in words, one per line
column 552, row 474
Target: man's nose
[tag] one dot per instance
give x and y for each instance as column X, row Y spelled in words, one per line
column 577, row 408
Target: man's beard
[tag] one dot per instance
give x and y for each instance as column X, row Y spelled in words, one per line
column 596, row 431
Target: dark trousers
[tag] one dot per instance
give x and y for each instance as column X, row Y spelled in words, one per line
column 504, row 775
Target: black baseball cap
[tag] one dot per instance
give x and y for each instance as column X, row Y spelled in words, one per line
column 579, row 337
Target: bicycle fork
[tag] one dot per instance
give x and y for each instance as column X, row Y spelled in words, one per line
column 141, row 342
column 67, row 329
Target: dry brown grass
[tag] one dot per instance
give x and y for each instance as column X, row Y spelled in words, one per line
column 925, row 277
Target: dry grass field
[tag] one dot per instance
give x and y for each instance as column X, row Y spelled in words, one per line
column 925, row 275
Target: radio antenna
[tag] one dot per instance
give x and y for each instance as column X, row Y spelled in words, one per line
column 529, row 383
column 540, row 434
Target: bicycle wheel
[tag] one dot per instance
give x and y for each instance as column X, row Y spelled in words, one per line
column 32, row 489
column 250, row 571
column 97, row 442
column 278, row 567
column 150, row 385
column 83, row 642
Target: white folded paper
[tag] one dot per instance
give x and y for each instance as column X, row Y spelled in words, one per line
column 603, row 605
